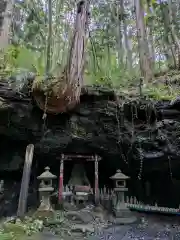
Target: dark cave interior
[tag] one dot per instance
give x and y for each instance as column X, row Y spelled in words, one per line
column 153, row 187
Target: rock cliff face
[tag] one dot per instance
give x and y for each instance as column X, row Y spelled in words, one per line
column 139, row 136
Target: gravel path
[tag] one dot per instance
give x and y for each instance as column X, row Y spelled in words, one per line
column 152, row 228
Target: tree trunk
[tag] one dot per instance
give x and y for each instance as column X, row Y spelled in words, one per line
column 150, row 35
column 151, row 46
column 6, row 8
column 170, row 53
column 62, row 93
column 173, row 32
column 144, row 56
column 49, row 40
column 3, row 5
column 126, row 40
column 120, row 50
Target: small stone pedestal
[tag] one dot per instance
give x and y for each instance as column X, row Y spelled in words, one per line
column 81, row 194
column 45, row 209
column 122, row 213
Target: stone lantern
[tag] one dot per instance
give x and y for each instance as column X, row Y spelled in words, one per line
column 45, row 190
column 122, row 213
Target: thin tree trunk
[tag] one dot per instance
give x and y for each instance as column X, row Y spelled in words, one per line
column 150, row 36
column 173, row 32
column 151, row 45
column 3, row 5
column 6, row 8
column 130, row 53
column 126, row 40
column 49, row 41
column 144, row 56
column 119, row 35
column 170, row 53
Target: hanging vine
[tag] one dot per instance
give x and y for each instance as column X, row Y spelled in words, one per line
column 141, row 157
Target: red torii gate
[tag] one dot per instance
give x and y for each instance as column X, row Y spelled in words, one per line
column 68, row 157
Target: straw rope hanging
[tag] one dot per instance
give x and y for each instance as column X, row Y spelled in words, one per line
column 63, row 92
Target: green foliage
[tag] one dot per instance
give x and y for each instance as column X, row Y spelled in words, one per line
column 102, row 66
column 161, row 93
column 19, row 230
column 78, row 131
column 18, row 58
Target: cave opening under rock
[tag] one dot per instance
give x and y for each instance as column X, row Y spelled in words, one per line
column 165, row 196
column 105, row 170
column 92, row 128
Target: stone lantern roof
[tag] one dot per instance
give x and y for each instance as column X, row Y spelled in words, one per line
column 46, row 175
column 119, row 176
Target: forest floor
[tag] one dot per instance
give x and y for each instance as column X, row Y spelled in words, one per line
column 165, row 86
column 152, row 228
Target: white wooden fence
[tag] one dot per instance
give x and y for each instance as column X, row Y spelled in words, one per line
column 106, row 196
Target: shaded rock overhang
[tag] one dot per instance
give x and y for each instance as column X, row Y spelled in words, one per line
column 125, row 133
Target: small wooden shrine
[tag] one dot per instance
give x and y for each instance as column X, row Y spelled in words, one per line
column 91, row 158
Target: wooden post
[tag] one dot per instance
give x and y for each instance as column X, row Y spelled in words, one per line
column 61, row 177
column 96, row 181
column 25, row 181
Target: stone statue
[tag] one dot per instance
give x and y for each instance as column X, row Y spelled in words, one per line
column 78, row 176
